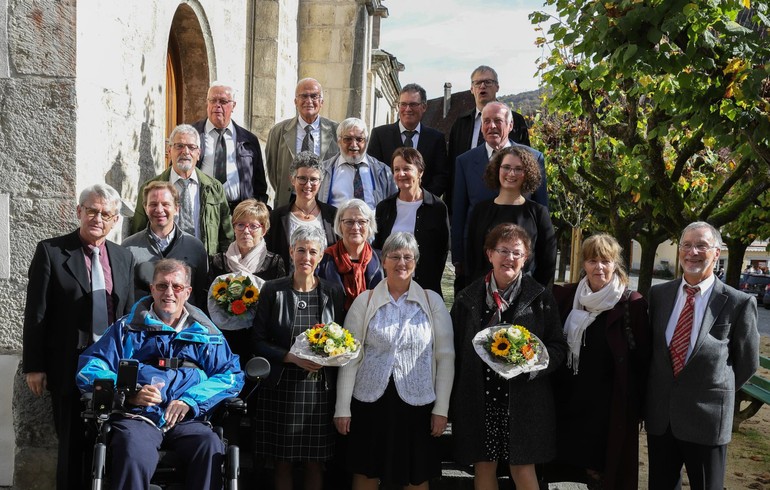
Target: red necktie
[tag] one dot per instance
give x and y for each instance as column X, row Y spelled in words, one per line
column 680, row 342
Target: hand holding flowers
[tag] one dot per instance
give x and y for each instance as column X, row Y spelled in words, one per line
column 510, row 350
column 326, row 344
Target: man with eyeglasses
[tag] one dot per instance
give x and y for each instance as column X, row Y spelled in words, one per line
column 352, row 173
column 186, row 368
column 705, row 346
column 229, row 153
column 79, row 284
column 308, row 131
column 203, row 208
column 163, row 239
column 410, row 132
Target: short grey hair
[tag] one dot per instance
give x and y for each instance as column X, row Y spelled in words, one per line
column 103, row 191
column 307, row 159
column 225, row 85
column 402, row 240
column 184, row 129
column 482, row 68
column 306, row 80
column 508, row 112
column 352, row 123
column 414, row 88
column 305, row 233
column 702, row 224
column 359, row 206
column 168, row 266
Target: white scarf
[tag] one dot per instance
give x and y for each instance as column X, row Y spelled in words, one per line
column 251, row 262
column 586, row 306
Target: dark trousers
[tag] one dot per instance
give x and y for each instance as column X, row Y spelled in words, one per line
column 705, row 465
column 135, row 444
column 70, row 431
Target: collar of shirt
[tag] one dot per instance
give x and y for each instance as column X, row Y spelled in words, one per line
column 175, row 176
column 705, row 286
column 230, row 129
column 163, row 243
column 181, row 324
column 341, row 161
column 316, row 125
column 401, row 299
column 417, row 128
column 490, row 149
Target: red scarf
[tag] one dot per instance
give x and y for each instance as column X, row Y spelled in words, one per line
column 353, row 273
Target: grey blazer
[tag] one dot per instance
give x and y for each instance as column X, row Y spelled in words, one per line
column 281, row 148
column 699, row 403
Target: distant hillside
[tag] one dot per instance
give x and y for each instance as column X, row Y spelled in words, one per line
column 527, row 103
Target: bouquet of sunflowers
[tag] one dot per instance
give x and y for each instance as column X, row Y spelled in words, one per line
column 326, row 344
column 510, row 350
column 232, row 300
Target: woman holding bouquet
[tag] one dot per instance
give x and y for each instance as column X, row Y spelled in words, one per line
column 600, row 391
column 393, row 399
column 294, row 407
column 494, row 419
column 247, row 256
column 352, row 262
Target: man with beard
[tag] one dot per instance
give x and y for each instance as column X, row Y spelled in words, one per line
column 204, row 211
column 705, row 345
column 352, row 173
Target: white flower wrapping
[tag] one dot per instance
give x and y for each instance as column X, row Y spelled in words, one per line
column 301, row 349
column 222, row 319
column 504, row 369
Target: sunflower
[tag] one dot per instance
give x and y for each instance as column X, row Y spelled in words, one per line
column 250, row 294
column 314, row 335
column 501, row 346
column 219, row 289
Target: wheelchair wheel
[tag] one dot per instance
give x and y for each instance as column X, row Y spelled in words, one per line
column 232, row 467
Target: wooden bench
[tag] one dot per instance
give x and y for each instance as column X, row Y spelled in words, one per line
column 756, row 392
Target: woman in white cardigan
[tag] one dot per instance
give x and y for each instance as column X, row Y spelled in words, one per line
column 392, row 401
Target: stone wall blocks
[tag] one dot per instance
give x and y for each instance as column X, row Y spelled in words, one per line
column 42, row 37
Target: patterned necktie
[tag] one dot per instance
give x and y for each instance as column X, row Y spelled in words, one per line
column 358, row 185
column 408, row 135
column 186, row 221
column 220, row 157
column 308, row 144
column 680, row 341
column 99, row 320
column 480, row 139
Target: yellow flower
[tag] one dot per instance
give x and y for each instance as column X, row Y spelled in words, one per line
column 219, row 289
column 250, row 294
column 500, row 346
column 315, row 335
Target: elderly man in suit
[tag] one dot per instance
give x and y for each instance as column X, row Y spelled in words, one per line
column 228, row 152
column 705, row 346
column 469, row 186
column 203, row 208
column 79, row 284
column 410, row 132
column 306, row 132
column 352, row 173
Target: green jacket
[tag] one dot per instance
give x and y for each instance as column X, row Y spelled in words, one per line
column 215, row 224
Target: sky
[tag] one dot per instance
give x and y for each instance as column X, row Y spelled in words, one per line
column 444, row 40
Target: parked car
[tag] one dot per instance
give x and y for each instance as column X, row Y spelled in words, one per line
column 755, row 284
column 766, row 297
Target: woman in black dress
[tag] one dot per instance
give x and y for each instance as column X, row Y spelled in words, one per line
column 514, row 172
column 295, row 404
column 600, row 391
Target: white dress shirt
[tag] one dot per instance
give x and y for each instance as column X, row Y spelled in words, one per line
column 194, row 190
column 232, row 185
column 342, row 182
column 415, row 136
column 315, row 131
column 701, row 300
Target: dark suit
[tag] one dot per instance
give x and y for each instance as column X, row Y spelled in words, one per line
column 470, row 189
column 248, row 159
column 431, row 144
column 58, row 305
column 695, row 409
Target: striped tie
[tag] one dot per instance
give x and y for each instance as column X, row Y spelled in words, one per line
column 680, row 342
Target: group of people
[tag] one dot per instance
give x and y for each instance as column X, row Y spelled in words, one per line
column 359, row 234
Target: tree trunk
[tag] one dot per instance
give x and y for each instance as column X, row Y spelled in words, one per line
column 575, row 263
column 564, row 254
column 646, row 267
column 737, row 250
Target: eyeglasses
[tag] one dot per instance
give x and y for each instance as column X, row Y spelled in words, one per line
column 487, row 82
column 507, row 169
column 408, row 259
column 349, row 223
column 510, row 253
column 92, row 213
column 313, row 97
column 251, row 226
column 699, row 247
column 182, row 146
column 216, row 101
column 163, row 287
column 350, row 139
column 304, row 180
column 409, row 105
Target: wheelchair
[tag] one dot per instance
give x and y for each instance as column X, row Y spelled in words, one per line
column 106, row 400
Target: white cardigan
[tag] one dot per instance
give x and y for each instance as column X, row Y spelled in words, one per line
column 357, row 321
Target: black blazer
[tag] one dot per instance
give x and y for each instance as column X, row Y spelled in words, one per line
column 271, row 332
column 277, row 238
column 431, row 144
column 248, row 159
column 431, row 231
column 59, row 303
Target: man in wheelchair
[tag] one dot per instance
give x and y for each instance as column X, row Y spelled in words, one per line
column 184, row 369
